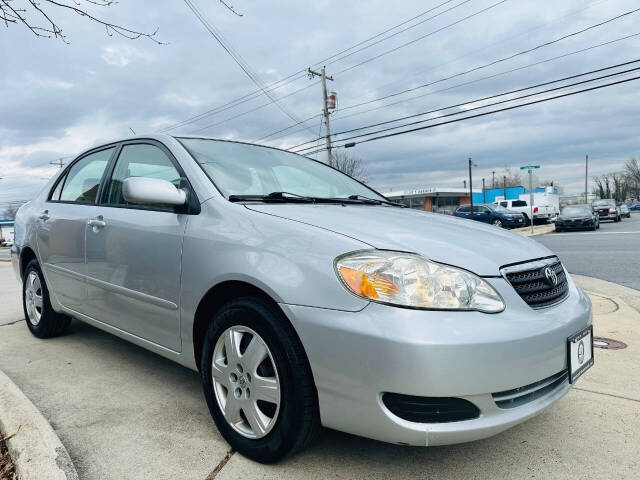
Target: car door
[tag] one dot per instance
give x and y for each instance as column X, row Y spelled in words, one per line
column 61, row 227
column 481, row 214
column 134, row 251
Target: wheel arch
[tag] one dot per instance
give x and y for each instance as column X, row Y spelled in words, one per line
column 214, row 299
column 26, row 255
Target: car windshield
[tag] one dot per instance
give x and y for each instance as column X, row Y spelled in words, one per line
column 244, row 170
column 603, row 203
column 575, row 211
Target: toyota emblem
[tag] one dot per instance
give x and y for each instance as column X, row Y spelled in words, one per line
column 552, row 278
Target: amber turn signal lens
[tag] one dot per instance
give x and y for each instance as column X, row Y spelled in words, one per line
column 358, row 282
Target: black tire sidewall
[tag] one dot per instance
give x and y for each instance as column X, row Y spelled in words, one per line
column 44, row 327
column 264, row 320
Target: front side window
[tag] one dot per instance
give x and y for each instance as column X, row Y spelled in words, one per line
column 140, row 160
column 504, row 204
column 83, row 179
column 242, row 169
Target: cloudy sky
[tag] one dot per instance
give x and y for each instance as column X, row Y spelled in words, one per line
column 58, row 99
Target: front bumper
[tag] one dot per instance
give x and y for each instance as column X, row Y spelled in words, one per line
column 514, row 222
column 357, row 356
column 575, row 225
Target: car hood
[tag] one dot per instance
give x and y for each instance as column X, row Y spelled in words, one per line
column 475, row 246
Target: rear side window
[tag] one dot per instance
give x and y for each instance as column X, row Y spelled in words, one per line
column 83, row 178
column 140, row 160
column 463, row 209
column 519, row 203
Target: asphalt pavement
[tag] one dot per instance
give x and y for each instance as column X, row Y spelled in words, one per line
column 5, row 253
column 611, row 253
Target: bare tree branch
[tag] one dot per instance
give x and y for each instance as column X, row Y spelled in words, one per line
column 230, row 8
column 349, row 164
column 47, row 27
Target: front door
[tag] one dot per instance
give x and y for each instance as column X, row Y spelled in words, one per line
column 61, row 228
column 134, row 253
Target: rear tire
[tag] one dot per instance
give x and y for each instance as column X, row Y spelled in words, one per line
column 291, row 420
column 42, row 320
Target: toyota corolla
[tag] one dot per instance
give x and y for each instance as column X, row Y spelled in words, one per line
column 303, row 297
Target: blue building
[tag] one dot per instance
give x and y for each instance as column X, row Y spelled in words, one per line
column 513, row 193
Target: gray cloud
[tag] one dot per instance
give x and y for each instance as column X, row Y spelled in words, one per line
column 62, row 98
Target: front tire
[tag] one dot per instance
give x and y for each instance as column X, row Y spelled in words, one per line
column 496, row 222
column 42, row 320
column 257, row 381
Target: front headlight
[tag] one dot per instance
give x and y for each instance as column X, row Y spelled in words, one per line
column 409, row 280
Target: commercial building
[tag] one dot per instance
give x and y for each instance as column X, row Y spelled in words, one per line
column 446, row 199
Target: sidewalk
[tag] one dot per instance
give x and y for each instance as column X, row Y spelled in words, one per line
column 125, row 413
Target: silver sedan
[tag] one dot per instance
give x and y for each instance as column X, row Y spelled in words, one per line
column 302, row 296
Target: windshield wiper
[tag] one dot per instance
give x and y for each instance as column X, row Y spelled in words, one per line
column 375, row 201
column 287, row 197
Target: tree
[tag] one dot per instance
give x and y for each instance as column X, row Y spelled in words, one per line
column 349, row 164
column 513, row 178
column 632, row 174
column 39, row 17
column 10, row 211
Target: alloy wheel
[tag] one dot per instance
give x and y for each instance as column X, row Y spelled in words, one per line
column 33, row 298
column 245, row 382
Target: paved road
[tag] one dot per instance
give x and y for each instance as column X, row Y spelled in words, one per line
column 5, row 253
column 611, row 253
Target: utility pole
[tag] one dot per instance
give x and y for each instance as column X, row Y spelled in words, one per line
column 484, row 195
column 470, row 190
column 586, row 175
column 493, row 179
column 504, row 186
column 325, row 109
column 59, row 163
column 464, row 182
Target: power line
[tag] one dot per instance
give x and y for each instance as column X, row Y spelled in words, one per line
column 300, row 73
column 490, row 104
column 359, row 64
column 403, row 132
column 495, row 62
column 341, row 117
column 238, row 59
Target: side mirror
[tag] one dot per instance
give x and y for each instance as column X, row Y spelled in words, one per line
column 152, row 191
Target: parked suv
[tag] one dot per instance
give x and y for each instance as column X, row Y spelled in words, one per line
column 493, row 214
column 607, row 209
column 303, row 297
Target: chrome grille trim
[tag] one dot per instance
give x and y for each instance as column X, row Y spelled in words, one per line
column 529, row 281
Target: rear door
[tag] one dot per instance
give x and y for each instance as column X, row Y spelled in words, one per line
column 481, row 214
column 61, row 227
column 134, row 251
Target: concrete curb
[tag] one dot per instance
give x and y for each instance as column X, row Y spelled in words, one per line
column 609, row 289
column 36, row 450
column 537, row 230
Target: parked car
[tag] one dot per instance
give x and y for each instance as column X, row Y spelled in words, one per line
column 577, row 217
column 303, row 297
column 607, row 209
column 624, row 210
column 635, row 206
column 540, row 212
column 493, row 214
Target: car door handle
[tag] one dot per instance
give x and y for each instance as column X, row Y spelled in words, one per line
column 96, row 223
column 44, row 215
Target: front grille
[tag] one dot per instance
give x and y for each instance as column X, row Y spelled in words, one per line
column 531, row 282
column 521, row 395
column 430, row 409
